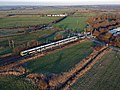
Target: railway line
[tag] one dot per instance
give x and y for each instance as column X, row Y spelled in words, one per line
column 10, row 59
column 39, row 50
column 49, row 47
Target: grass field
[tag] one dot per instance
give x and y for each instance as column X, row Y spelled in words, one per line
column 105, row 75
column 9, row 22
column 46, row 10
column 73, row 24
column 4, row 50
column 62, row 60
column 15, row 83
column 88, row 14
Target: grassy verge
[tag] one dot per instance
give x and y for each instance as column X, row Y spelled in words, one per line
column 103, row 76
column 5, row 51
column 62, row 60
column 15, row 83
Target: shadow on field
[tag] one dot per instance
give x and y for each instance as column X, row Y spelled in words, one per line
column 57, row 62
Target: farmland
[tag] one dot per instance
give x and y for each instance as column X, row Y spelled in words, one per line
column 15, row 83
column 103, row 76
column 33, row 58
column 10, row 22
column 36, row 11
column 62, row 60
column 75, row 23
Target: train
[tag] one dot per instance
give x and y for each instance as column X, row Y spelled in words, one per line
column 52, row 45
column 49, row 46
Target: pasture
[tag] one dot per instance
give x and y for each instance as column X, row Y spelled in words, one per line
column 60, row 61
column 46, row 10
column 75, row 23
column 103, row 76
column 15, row 83
column 11, row 22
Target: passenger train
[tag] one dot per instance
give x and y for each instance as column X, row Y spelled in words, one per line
column 49, row 46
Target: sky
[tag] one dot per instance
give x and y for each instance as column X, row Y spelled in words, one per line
column 57, row 2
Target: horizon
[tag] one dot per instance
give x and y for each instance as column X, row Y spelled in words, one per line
column 57, row 3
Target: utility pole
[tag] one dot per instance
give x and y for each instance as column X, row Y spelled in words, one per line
column 13, row 44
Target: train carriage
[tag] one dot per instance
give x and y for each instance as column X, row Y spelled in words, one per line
column 48, row 46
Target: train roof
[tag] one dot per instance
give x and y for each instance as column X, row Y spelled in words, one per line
column 48, row 44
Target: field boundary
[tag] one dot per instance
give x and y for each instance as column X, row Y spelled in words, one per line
column 65, row 80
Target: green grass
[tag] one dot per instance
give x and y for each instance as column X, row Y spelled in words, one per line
column 15, row 83
column 76, row 24
column 46, row 10
column 9, row 22
column 5, row 50
column 73, row 23
column 50, row 38
column 85, row 14
column 60, row 61
column 105, row 75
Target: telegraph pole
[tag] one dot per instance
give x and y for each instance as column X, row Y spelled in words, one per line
column 13, row 44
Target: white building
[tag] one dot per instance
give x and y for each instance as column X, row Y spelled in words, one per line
column 57, row 15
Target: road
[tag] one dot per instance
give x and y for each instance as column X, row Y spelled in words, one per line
column 102, row 43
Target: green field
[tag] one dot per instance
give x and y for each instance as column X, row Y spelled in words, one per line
column 15, row 83
column 73, row 23
column 62, row 60
column 46, row 10
column 88, row 14
column 105, row 75
column 10, row 22
column 4, row 50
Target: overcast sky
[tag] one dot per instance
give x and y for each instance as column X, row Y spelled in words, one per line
column 57, row 2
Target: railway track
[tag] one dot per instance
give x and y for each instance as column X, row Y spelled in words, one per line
column 6, row 61
column 9, row 59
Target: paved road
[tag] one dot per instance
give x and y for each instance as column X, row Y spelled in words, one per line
column 115, row 48
column 103, row 44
